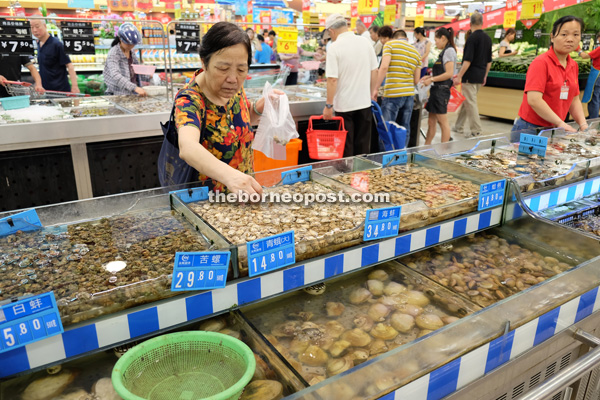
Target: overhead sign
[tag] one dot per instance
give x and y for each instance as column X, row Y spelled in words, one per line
column 532, row 9
column 510, row 19
column 420, row 7
column 287, row 41
column 15, row 37
column 368, row 7
column 440, row 12
column 511, row 5
column 389, row 14
column 419, row 21
column 187, row 38
column 354, row 10
column 80, row 4
column 78, row 37
column 367, row 19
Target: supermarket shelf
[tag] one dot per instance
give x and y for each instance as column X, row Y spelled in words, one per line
column 141, row 46
column 143, row 321
column 475, row 364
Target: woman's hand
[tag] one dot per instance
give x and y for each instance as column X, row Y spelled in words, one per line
column 583, row 127
column 426, row 80
column 238, row 182
column 567, row 127
column 140, row 91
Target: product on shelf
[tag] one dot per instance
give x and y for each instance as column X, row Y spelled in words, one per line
column 89, row 107
column 319, row 228
column 97, row 267
column 355, row 320
column 33, row 113
column 485, row 268
column 142, row 105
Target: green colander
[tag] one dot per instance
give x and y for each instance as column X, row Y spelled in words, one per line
column 185, row 366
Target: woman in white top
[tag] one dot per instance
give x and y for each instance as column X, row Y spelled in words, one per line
column 505, row 50
column 423, row 46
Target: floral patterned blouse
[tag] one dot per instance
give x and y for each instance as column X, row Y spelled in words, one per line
column 225, row 131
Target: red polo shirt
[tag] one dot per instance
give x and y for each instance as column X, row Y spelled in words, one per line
column 595, row 56
column 547, row 76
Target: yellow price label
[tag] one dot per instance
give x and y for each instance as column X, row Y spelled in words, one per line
column 510, row 19
column 389, row 15
column 287, row 34
column 306, row 16
column 532, row 9
column 419, row 21
column 285, row 46
column 353, row 22
column 367, row 7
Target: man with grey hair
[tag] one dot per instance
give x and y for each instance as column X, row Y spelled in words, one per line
column 362, row 30
column 351, row 78
column 477, row 60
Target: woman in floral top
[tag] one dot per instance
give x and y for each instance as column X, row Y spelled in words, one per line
column 213, row 116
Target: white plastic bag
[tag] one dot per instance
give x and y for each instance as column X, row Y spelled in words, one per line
column 276, row 127
column 423, row 93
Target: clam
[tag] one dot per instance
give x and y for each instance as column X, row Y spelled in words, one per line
column 378, row 312
column 391, row 301
column 339, row 348
column 339, row 365
column 384, row 332
column 424, row 332
column 313, row 356
column 359, row 356
column 359, row 296
column 394, row 288
column 231, row 332
column 409, row 309
column 417, row 298
column 429, row 321
column 286, row 329
column 375, row 287
column 316, row 379
column 334, row 309
column 379, row 275
column 213, row 325
column 357, row 337
column 402, row 322
column 298, row 346
column 334, row 329
column 377, row 347
column 448, row 320
column 364, row 322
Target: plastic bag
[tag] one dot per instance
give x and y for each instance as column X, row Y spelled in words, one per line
column 456, row 99
column 422, row 94
column 276, row 127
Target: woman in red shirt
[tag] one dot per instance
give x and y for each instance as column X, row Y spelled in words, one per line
column 594, row 102
column 552, row 85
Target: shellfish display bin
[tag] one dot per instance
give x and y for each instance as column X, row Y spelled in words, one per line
column 84, row 237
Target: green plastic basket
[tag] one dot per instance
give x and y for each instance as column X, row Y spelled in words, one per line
column 185, row 366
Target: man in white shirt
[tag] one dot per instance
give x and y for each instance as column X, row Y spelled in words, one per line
column 351, row 78
column 362, row 30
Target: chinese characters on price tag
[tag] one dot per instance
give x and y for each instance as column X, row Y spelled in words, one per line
column 367, row 7
column 419, row 21
column 271, row 253
column 28, row 321
column 491, row 195
column 287, row 41
column 420, row 7
column 510, row 19
column 78, row 37
column 200, row 270
column 382, row 222
column 531, row 9
column 511, row 5
column 389, row 15
column 15, row 38
column 187, row 38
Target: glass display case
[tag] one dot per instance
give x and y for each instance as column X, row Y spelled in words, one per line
column 90, row 107
column 141, row 105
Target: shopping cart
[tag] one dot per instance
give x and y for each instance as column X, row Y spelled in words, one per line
column 27, row 89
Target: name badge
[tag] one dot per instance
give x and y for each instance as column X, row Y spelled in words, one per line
column 564, row 92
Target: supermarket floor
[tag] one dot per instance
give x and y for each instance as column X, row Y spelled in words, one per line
column 491, row 126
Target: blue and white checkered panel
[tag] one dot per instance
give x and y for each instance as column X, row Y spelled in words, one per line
column 475, row 364
column 563, row 195
column 117, row 329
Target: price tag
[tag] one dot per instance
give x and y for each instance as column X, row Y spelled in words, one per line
column 296, row 175
column 15, row 38
column 491, row 194
column 78, row 37
column 519, row 34
column 537, row 33
column 389, row 14
column 498, row 33
column 200, row 270
column 24, row 221
column 284, row 46
column 533, row 144
column 531, row 9
column 382, row 222
column 587, row 42
column 271, row 253
column 187, row 38
column 420, row 7
column 28, row 321
column 511, row 5
column 510, row 19
column 419, row 21
column 394, row 159
column 368, row 7
column 191, row 195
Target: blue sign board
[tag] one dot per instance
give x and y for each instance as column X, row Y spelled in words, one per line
column 533, row 144
column 296, row 175
column 382, row 223
column 491, row 194
column 80, row 4
column 271, row 253
column 394, row 159
column 29, row 320
column 200, row 270
column 275, row 14
column 23, row 221
column 192, row 195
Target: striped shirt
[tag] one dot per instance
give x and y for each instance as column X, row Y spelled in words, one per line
column 400, row 78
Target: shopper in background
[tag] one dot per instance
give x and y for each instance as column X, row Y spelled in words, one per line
column 400, row 34
column 118, row 70
column 378, row 46
column 263, row 56
column 594, row 87
column 292, row 61
column 55, row 65
column 213, row 115
column 401, row 69
column 423, row 46
column 509, row 37
column 253, row 41
column 476, row 64
column 552, row 84
column 441, row 82
column 273, row 39
column 10, row 70
column 351, row 77
column 362, row 30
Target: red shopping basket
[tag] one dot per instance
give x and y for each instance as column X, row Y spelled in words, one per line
column 456, row 99
column 323, row 144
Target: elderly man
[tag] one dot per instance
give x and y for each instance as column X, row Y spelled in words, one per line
column 362, row 30
column 53, row 61
column 351, row 77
